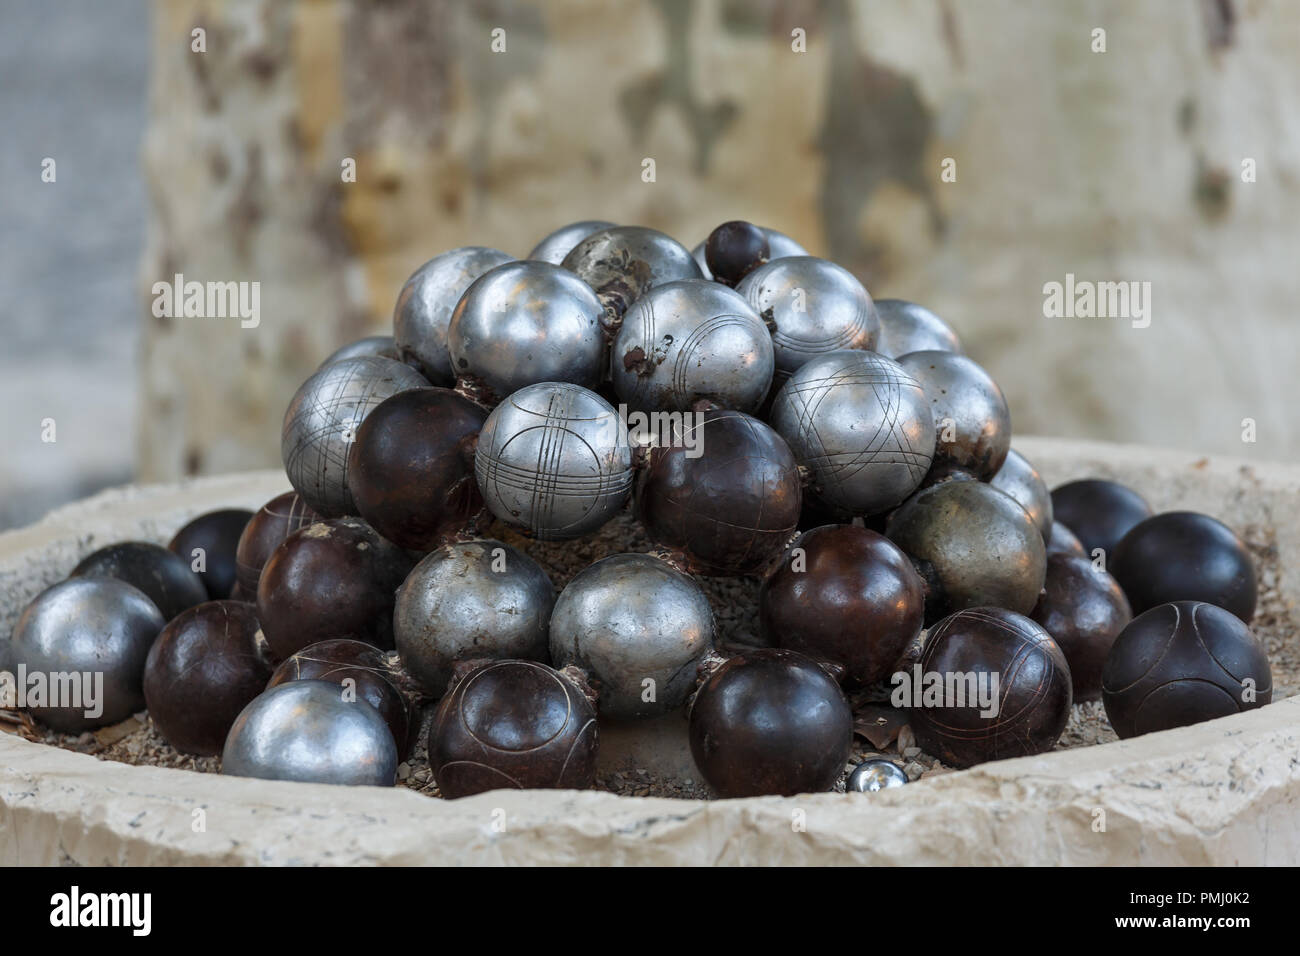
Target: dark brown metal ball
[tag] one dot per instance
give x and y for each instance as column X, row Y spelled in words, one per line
column 1084, row 609
column 735, row 249
column 513, row 724
column 332, row 579
column 770, row 721
column 1180, row 664
column 731, row 508
column 1026, row 712
column 210, row 541
column 846, row 595
column 411, row 471
column 204, row 668
column 274, row 521
column 164, row 577
column 1099, row 512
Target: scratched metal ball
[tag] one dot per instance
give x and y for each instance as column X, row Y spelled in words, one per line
column 553, row 459
column 779, row 245
column 558, row 244
column 99, row 627
column 861, row 424
column 1021, row 480
column 812, row 307
column 971, row 419
column 622, row 263
column 527, row 322
column 690, row 340
column 383, row 346
column 638, row 628
column 321, row 423
column 424, row 306
column 469, row 600
column 311, row 731
column 875, row 773
column 908, row 327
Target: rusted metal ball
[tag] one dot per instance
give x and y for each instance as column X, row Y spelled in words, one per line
column 412, row 467
column 734, row 249
column 1182, row 663
column 335, row 578
column 1000, row 687
column 1099, row 512
column 204, row 668
column 622, row 263
column 513, row 724
column 274, row 521
column 208, row 544
column 770, row 721
column 1061, row 540
column 1185, row 556
column 907, row 327
column 1020, row 479
column 164, row 577
column 726, row 498
column 973, row 545
column 846, row 595
column 971, row 418
column 1084, row 609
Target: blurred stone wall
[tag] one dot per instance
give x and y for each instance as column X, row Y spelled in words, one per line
column 1117, row 165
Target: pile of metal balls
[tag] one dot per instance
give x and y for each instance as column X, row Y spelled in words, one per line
column 766, row 418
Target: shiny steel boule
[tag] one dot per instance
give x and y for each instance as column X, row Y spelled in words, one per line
column 424, row 306
column 638, row 628
column 622, row 263
column 554, row 460
column 383, row 346
column 861, row 424
column 779, row 245
column 558, row 244
column 1020, row 479
column 690, row 340
column 908, row 327
column 527, row 322
column 98, row 627
column 971, row 418
column 875, row 773
column 322, row 421
column 309, row 731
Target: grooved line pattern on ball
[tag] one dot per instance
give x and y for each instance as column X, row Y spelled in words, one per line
column 698, row 336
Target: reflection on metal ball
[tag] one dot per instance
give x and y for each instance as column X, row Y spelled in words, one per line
column 1021, row 480
column 875, row 773
column 164, row 576
column 622, row 263
column 383, row 346
column 558, row 244
column 971, row 418
column 779, row 245
column 908, row 327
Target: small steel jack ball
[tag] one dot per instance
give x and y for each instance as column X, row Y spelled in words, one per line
column 471, row 600
column 558, row 244
column 513, row 724
column 308, row 731
column 164, row 577
column 726, row 497
column 907, row 327
column 210, row 540
column 1084, row 609
column 861, row 424
column 971, row 418
column 1021, row 480
column 412, row 467
column 204, row 668
column 973, row 546
column 553, row 459
column 735, row 249
column 357, row 666
column 638, row 628
column 845, row 595
column 98, row 629
column 332, row 579
column 1061, row 540
column 990, row 684
column 424, row 307
column 321, row 424
column 383, row 346
column 874, row 774
column 770, row 722
column 527, row 322
column 1099, row 512
column 622, row 263
column 779, row 246
column 1185, row 556
column 690, row 340
column 1183, row 663
column 274, row 521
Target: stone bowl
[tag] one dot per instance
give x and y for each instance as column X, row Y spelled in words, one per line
column 1223, row 792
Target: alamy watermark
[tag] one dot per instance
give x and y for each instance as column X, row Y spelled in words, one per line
column 665, row 429
column 72, row 690
column 1085, row 299
column 935, row 689
column 179, row 299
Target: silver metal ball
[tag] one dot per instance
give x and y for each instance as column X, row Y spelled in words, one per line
column 638, row 628
column 689, row 340
column 908, row 327
column 527, row 322
column 875, row 773
column 861, row 424
column 971, row 419
column 622, row 263
column 474, row 599
column 1020, row 479
column 812, row 307
column 321, row 423
column 424, row 307
column 91, row 635
column 311, row 731
column 554, row 460
column 382, row 345
column 558, row 244
column 779, row 245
